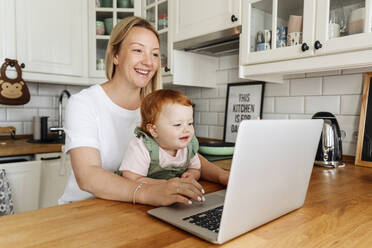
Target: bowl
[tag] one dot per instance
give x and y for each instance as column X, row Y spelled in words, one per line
column 216, row 148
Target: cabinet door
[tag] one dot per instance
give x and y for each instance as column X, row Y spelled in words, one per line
column 7, row 30
column 194, row 17
column 55, row 171
column 50, row 36
column 343, row 26
column 24, row 180
column 294, row 25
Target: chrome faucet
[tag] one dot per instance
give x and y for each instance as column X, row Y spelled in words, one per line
column 59, row 128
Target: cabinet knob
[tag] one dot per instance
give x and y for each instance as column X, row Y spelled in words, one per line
column 304, row 47
column 23, row 65
column 234, row 18
column 166, row 69
column 317, row 45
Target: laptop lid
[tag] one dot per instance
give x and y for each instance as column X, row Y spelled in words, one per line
column 270, row 172
column 269, row 176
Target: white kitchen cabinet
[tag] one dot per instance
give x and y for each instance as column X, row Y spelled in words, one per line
column 49, row 37
column 178, row 67
column 55, row 171
column 24, row 180
column 98, row 41
column 330, row 40
column 195, row 18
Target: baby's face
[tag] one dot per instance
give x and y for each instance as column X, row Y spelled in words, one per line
column 174, row 127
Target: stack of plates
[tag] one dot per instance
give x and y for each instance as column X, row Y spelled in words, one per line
column 216, row 150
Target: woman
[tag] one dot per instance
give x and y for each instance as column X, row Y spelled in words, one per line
column 100, row 121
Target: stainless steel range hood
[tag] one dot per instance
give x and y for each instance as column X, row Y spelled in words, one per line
column 221, row 43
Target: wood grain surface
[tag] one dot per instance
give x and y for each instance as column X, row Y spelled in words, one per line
column 337, row 213
column 10, row 147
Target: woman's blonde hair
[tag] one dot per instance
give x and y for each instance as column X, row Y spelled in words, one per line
column 118, row 34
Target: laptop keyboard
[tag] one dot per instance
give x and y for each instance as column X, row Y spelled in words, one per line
column 209, row 219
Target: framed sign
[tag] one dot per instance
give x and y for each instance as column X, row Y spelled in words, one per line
column 363, row 156
column 243, row 102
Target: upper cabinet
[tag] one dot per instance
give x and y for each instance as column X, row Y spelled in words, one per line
column 103, row 16
column 195, row 18
column 157, row 12
column 47, row 36
column 339, row 30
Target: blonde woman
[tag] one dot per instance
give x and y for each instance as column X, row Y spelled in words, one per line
column 100, row 121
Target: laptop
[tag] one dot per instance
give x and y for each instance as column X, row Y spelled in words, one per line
column 269, row 177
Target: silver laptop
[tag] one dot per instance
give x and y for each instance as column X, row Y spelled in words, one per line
column 269, row 177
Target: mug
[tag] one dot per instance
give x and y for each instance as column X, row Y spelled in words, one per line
column 294, row 24
column 260, row 37
column 263, row 46
column 281, row 36
column 267, row 35
column 100, row 27
column 294, row 38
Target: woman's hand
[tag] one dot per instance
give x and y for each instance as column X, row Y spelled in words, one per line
column 174, row 190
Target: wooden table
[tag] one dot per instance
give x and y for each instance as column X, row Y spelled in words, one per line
column 337, row 213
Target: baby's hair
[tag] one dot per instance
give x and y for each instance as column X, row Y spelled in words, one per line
column 153, row 103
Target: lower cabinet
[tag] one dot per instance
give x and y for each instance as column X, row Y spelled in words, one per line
column 55, row 171
column 24, row 180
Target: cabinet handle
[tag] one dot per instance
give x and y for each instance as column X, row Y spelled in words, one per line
column 304, row 47
column 317, row 45
column 234, row 18
column 51, row 158
column 166, row 69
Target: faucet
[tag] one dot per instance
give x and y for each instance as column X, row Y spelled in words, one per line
column 59, row 128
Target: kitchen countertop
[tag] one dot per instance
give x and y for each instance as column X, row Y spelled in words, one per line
column 10, row 147
column 337, row 213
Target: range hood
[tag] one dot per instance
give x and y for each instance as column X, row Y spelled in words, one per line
column 221, row 43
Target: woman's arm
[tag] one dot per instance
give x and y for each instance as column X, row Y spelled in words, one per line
column 213, row 173
column 91, row 177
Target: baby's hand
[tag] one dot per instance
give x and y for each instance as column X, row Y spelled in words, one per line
column 187, row 175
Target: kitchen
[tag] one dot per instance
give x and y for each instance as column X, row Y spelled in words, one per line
column 300, row 94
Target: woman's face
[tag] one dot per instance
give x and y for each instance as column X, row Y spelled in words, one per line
column 138, row 58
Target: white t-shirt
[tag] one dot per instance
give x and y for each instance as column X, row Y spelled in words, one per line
column 93, row 120
column 137, row 158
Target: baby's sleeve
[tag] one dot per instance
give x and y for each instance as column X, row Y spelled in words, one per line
column 194, row 162
column 136, row 158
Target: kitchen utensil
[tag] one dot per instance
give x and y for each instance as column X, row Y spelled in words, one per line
column 43, row 128
column 216, row 148
column 329, row 152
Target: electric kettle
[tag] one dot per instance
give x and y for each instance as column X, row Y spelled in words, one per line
column 329, row 152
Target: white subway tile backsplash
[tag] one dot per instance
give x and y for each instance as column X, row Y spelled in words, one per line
column 323, row 73
column 222, row 90
column 215, row 132
column 343, row 85
column 27, row 127
column 299, row 117
column 208, row 118
column 234, row 77
column 2, row 114
column 220, row 119
column 33, row 88
column 275, row 116
column 350, row 125
column 51, row 113
column 20, row 114
column 201, row 131
column 193, row 92
column 222, row 77
column 196, row 118
column 315, row 104
column 348, row 148
column 46, row 101
column 201, row 105
column 229, row 62
column 217, row 105
column 350, row 104
column 50, row 89
column 277, row 89
column 289, row 105
column 306, row 87
column 17, row 125
column 268, row 105
column 209, row 93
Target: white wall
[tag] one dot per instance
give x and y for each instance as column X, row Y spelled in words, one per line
column 301, row 96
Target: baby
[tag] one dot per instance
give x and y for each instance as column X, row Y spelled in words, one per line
column 165, row 146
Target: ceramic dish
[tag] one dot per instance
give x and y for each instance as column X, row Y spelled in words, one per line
column 216, row 148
